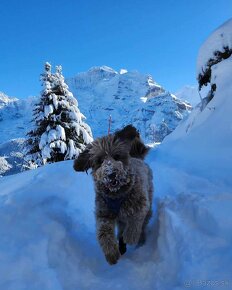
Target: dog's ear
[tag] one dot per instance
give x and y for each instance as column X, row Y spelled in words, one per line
column 127, row 133
column 138, row 149
column 83, row 163
column 130, row 133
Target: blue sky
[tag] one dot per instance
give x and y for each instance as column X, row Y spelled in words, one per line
column 160, row 38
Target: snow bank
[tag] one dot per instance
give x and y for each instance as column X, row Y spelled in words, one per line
column 48, row 236
column 41, row 223
column 202, row 144
column 217, row 41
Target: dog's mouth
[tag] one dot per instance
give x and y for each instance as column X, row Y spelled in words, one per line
column 111, row 183
column 116, row 183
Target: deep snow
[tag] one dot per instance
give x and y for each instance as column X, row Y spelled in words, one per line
column 48, row 233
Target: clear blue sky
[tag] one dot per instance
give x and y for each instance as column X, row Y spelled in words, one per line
column 161, row 38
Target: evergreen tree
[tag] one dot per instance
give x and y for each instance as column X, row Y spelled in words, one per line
column 60, row 132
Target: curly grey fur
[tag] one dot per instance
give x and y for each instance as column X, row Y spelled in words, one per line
column 122, row 182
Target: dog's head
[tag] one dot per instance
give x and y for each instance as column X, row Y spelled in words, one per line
column 109, row 158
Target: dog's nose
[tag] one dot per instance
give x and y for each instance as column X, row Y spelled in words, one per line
column 112, row 175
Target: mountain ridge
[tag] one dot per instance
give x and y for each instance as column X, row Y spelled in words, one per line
column 103, row 94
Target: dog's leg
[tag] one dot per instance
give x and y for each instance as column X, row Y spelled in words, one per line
column 107, row 239
column 142, row 238
column 121, row 244
column 133, row 229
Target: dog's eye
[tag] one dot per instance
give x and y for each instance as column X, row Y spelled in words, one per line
column 117, row 157
column 99, row 160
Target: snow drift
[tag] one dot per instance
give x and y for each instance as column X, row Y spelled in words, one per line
column 48, row 235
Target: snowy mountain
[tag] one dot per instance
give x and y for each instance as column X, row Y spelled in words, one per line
column 128, row 97
column 5, row 100
column 189, row 94
column 15, row 117
column 11, row 156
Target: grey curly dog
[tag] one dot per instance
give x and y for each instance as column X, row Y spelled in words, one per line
column 124, row 189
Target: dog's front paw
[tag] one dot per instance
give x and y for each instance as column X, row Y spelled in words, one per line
column 113, row 256
column 131, row 236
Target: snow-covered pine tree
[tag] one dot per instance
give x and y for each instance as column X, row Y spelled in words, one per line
column 60, row 132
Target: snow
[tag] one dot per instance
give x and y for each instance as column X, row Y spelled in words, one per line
column 55, row 101
column 86, row 137
column 72, row 150
column 123, row 71
column 16, row 115
column 48, row 226
column 52, row 138
column 11, row 153
column 48, row 110
column 130, row 97
column 99, row 90
column 62, row 145
column 103, row 68
column 5, row 100
column 48, row 220
column 60, row 132
column 188, row 93
column 207, row 134
column 4, row 165
column 217, row 41
column 50, row 243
